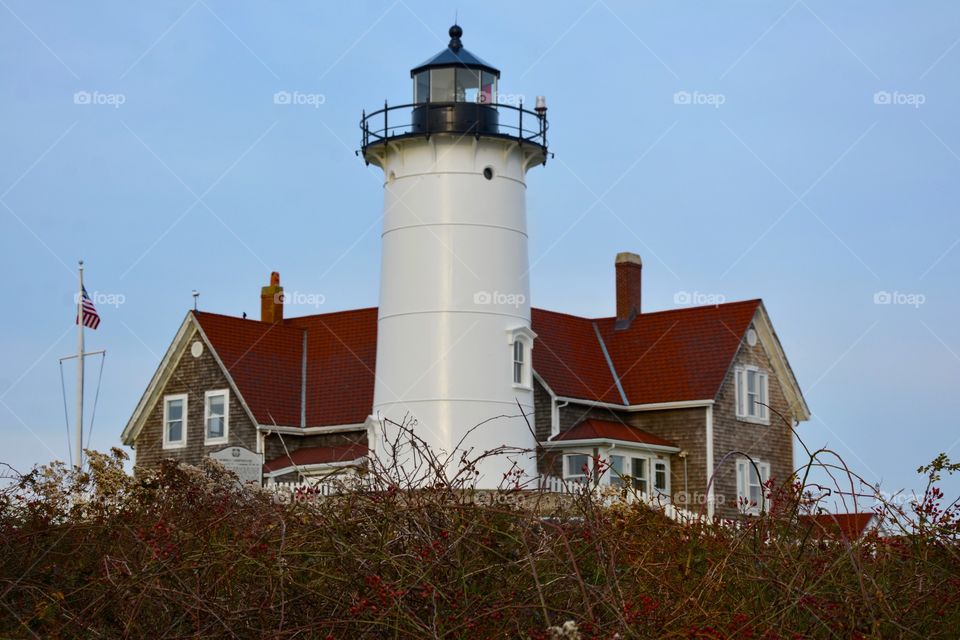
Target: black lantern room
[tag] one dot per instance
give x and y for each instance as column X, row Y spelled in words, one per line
column 455, row 92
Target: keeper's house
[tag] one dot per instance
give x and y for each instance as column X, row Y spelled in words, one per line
column 663, row 397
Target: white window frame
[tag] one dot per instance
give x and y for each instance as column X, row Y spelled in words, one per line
column 225, row 438
column 525, row 336
column 649, row 478
column 752, row 409
column 175, row 444
column 577, row 476
column 744, row 484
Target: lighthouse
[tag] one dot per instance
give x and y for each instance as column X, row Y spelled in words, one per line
column 454, row 342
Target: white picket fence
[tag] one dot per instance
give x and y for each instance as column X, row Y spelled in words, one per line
column 546, row 484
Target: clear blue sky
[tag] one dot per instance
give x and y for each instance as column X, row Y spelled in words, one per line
column 799, row 188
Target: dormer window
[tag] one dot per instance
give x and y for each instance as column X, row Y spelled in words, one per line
column 752, row 391
column 520, row 341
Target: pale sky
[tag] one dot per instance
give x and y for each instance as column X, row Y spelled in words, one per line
column 803, row 152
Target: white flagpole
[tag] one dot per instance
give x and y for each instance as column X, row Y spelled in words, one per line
column 79, row 450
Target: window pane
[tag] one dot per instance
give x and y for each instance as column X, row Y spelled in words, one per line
column 421, row 89
column 441, row 85
column 577, row 464
column 518, row 351
column 752, row 381
column 755, row 496
column 517, row 373
column 616, row 470
column 638, row 469
column 174, row 409
column 468, row 85
column 175, row 430
column 488, row 88
column 660, row 476
column 215, row 416
column 739, row 391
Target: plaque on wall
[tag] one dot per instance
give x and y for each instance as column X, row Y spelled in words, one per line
column 245, row 463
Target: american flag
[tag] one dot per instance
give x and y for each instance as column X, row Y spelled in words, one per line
column 91, row 319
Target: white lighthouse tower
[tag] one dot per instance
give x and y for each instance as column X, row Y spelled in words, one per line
column 454, row 342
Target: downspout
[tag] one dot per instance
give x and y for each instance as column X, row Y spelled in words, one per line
column 709, row 437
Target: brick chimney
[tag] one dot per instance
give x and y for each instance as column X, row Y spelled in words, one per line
column 271, row 300
column 629, row 268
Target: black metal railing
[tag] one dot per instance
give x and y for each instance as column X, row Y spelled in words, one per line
column 459, row 118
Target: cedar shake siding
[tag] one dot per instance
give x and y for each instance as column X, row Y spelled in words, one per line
column 274, row 443
column 771, row 443
column 193, row 376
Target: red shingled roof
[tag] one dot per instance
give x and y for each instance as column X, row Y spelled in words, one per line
column 609, row 430
column 849, row 526
column 666, row 356
column 317, row 455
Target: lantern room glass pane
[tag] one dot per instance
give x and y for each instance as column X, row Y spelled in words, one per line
column 468, row 85
column 441, row 85
column 421, row 87
column 488, row 88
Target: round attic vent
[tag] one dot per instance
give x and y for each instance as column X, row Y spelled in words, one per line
column 196, row 349
column 751, row 337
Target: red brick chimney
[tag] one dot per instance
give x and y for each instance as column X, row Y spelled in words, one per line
column 629, row 268
column 271, row 300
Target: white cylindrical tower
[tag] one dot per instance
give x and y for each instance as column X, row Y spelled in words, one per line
column 454, row 343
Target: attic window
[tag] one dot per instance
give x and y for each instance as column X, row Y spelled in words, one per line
column 175, row 421
column 752, row 391
column 216, row 417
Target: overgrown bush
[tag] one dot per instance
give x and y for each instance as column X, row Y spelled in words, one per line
column 186, row 552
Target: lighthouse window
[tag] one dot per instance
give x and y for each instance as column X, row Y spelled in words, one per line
column 421, row 87
column 488, row 88
column 468, row 85
column 441, row 85
column 518, row 377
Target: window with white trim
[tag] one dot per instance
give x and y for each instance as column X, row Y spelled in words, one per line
column 175, row 421
column 521, row 340
column 576, row 465
column 216, row 416
column 751, row 486
column 752, row 391
column 661, row 477
column 518, row 362
column 617, row 470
